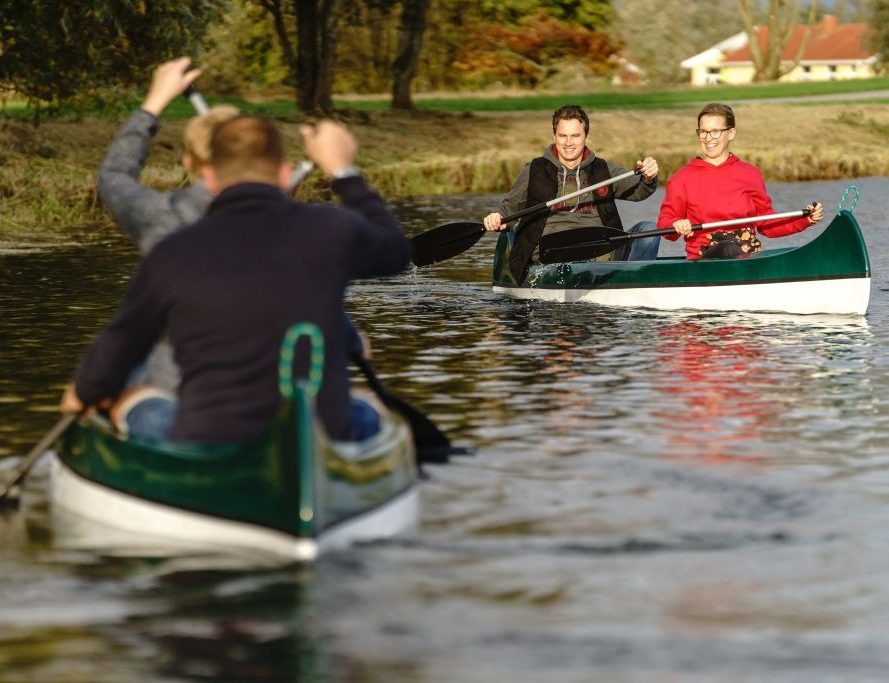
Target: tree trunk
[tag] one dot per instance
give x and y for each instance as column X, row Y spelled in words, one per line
column 306, row 12
column 781, row 22
column 329, row 16
column 410, row 42
column 312, row 64
column 274, row 8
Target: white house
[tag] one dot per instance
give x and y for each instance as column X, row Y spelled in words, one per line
column 832, row 51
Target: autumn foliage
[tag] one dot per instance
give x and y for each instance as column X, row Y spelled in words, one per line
column 528, row 51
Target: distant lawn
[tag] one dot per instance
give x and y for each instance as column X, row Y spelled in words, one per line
column 629, row 99
column 178, row 109
column 612, row 98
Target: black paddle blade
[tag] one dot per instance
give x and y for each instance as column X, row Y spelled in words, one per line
column 581, row 244
column 444, row 242
column 430, row 442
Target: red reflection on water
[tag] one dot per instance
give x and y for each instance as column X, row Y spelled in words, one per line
column 714, row 408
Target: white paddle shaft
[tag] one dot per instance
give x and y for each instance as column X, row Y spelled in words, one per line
column 752, row 219
column 303, row 168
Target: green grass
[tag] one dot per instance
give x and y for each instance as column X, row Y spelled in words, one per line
column 612, row 98
column 178, row 109
column 631, row 99
column 182, row 109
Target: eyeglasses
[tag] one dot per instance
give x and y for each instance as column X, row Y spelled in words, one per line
column 716, row 133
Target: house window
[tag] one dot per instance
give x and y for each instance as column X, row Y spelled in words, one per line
column 807, row 70
column 713, row 75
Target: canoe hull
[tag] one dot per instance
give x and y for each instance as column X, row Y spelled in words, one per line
column 286, row 496
column 847, row 296
column 90, row 516
column 829, row 275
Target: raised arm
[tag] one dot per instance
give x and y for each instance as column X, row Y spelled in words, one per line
column 135, row 208
column 381, row 247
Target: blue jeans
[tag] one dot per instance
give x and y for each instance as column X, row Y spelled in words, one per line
column 644, row 249
column 365, row 420
column 151, row 419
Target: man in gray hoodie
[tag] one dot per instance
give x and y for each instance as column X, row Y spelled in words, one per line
column 565, row 166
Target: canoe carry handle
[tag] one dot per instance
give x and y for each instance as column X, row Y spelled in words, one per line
column 286, row 381
column 849, row 189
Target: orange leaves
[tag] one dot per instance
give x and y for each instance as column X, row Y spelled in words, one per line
column 525, row 51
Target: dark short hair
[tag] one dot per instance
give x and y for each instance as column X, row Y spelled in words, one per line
column 571, row 111
column 716, row 109
column 246, row 146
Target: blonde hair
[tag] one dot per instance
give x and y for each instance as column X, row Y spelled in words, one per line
column 199, row 131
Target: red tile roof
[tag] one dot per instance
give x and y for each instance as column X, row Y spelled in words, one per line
column 828, row 41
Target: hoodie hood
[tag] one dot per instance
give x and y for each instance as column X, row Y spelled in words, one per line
column 569, row 174
column 550, row 154
column 699, row 162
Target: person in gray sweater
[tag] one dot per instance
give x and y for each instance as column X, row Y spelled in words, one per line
column 146, row 214
column 149, row 215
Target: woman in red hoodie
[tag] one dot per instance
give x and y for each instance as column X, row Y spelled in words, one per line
column 719, row 186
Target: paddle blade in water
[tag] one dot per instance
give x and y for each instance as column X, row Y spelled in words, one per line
column 444, row 242
column 581, row 244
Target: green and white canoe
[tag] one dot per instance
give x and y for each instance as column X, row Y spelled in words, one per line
column 830, row 275
column 286, row 496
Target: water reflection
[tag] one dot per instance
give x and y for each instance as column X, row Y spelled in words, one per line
column 715, row 392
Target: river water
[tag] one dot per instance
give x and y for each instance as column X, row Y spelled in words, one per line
column 654, row 496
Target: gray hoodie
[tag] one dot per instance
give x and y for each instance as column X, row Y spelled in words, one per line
column 576, row 215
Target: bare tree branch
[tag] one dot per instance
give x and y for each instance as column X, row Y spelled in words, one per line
column 781, row 23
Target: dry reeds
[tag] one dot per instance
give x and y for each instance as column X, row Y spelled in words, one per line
column 47, row 174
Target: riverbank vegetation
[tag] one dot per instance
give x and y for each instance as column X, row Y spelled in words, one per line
column 445, row 96
column 47, row 173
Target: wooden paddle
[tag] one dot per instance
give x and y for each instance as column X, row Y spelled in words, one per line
column 584, row 244
column 300, row 171
column 431, row 443
column 450, row 239
column 10, row 486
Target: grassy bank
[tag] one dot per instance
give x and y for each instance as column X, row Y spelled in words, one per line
column 47, row 174
column 603, row 95
column 623, row 98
